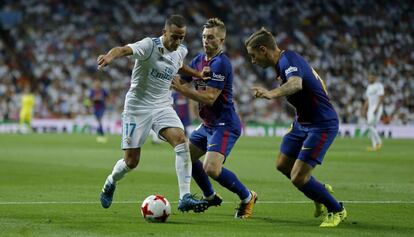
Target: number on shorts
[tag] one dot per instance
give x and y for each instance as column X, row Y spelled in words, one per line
column 129, row 126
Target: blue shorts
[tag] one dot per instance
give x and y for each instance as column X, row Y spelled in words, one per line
column 219, row 139
column 308, row 143
column 99, row 113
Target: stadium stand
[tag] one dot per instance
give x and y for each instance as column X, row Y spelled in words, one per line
column 53, row 45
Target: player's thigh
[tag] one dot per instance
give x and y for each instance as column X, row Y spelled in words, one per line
column 222, row 140
column 168, row 126
column 196, row 152
column 316, row 145
column 198, row 139
column 25, row 116
column 135, row 129
column 173, row 135
column 292, row 142
column 371, row 118
column 285, row 163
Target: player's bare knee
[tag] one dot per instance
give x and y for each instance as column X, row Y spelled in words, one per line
column 298, row 180
column 181, row 139
column 131, row 163
column 211, row 171
column 131, row 159
column 282, row 168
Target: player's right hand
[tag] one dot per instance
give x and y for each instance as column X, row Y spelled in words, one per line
column 259, row 92
column 103, row 61
column 206, row 73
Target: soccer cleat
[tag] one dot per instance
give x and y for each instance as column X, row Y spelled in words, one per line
column 245, row 210
column 375, row 148
column 107, row 195
column 189, row 202
column 332, row 219
column 320, row 209
column 215, row 201
column 101, row 139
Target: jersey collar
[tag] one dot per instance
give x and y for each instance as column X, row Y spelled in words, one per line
column 205, row 56
column 162, row 49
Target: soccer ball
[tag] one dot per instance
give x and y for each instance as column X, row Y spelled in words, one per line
column 155, row 208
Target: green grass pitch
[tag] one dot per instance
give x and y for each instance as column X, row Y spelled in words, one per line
column 50, row 185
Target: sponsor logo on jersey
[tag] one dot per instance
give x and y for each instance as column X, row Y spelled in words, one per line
column 167, row 74
column 291, row 69
column 217, row 77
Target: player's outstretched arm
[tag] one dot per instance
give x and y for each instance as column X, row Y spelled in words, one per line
column 293, row 85
column 104, row 60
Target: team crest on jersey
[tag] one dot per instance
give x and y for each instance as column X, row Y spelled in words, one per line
column 128, row 140
column 291, row 69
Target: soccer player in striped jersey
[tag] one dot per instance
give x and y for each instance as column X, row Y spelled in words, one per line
column 313, row 130
column 221, row 127
column 98, row 96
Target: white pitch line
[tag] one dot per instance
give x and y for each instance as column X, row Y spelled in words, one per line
column 259, row 202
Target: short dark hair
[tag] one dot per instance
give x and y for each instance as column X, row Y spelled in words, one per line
column 177, row 20
column 259, row 38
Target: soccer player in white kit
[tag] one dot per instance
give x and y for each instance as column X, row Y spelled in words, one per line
column 148, row 105
column 373, row 109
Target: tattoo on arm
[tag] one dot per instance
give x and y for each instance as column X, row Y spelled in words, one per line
column 293, row 85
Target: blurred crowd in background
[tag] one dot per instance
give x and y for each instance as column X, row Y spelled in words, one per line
column 52, row 45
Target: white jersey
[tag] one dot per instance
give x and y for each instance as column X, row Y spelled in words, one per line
column 373, row 94
column 152, row 74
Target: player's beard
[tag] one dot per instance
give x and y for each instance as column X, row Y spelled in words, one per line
column 210, row 51
column 173, row 47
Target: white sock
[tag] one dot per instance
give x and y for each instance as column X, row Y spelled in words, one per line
column 183, row 168
column 378, row 138
column 119, row 171
column 210, row 197
column 374, row 136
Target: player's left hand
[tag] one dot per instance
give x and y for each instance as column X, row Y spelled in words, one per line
column 259, row 92
column 176, row 83
column 103, row 61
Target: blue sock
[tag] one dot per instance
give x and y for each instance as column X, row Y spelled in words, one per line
column 202, row 179
column 318, row 193
column 100, row 130
column 230, row 181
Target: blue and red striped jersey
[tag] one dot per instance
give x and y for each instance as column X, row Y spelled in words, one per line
column 222, row 112
column 312, row 103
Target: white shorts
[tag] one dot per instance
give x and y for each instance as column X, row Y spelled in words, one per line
column 137, row 125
